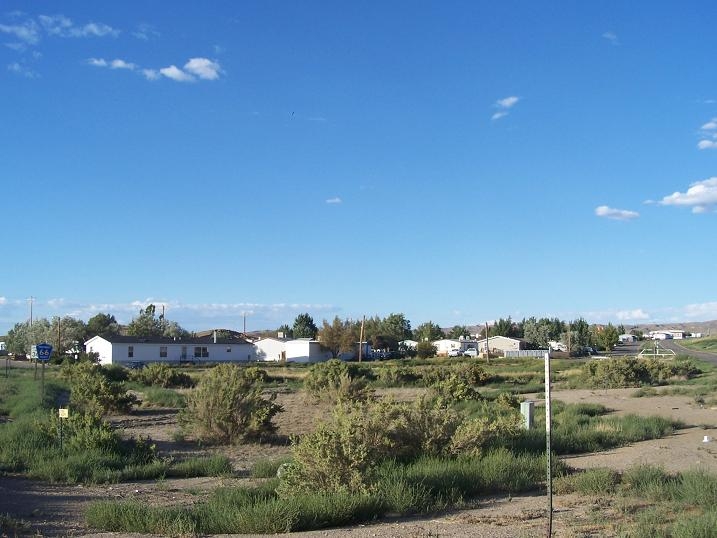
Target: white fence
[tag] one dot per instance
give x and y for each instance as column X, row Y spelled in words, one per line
column 526, row 353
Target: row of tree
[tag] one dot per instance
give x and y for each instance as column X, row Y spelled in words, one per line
column 339, row 335
column 68, row 333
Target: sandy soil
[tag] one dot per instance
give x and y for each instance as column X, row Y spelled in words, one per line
column 56, row 510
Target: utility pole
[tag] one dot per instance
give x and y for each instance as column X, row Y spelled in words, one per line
column 363, row 320
column 548, row 447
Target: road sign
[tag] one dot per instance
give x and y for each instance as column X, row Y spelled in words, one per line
column 63, row 412
column 43, row 352
column 33, row 352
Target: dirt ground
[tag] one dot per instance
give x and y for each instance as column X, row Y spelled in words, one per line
column 57, row 510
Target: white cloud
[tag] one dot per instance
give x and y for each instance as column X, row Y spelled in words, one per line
column 28, row 31
column 151, row 74
column 145, row 32
column 177, row 74
column 22, row 70
column 334, row 200
column 3, row 300
column 701, row 196
column 615, row 214
column 203, row 68
column 114, row 64
column 707, row 144
column 630, row 315
column 504, row 105
column 710, row 125
column 611, row 37
column 61, row 26
column 507, row 102
column 121, row 64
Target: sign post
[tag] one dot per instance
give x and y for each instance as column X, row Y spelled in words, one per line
column 43, row 355
column 63, row 413
column 548, row 448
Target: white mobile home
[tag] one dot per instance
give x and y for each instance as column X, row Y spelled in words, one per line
column 270, row 350
column 501, row 343
column 126, row 350
column 306, row 350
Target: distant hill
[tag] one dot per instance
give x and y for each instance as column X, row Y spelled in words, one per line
column 704, row 327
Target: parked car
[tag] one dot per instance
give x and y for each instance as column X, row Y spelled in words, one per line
column 471, row 352
column 455, row 353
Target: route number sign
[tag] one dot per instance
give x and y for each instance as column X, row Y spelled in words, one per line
column 43, row 352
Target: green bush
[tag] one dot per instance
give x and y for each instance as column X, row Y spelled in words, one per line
column 336, row 381
column 161, row 374
column 473, row 436
column 454, row 389
column 633, row 372
column 342, row 455
column 92, row 392
column 398, row 375
column 228, row 407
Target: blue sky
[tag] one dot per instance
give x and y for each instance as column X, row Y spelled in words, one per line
column 455, row 161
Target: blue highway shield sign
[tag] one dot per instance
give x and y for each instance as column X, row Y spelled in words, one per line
column 43, row 352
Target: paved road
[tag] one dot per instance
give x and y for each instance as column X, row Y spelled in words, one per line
column 681, row 350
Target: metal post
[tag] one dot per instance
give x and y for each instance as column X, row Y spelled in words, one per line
column 527, row 409
column 548, row 450
column 42, row 384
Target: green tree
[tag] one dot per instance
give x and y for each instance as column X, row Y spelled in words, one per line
column 333, row 336
column 304, row 327
column 457, row 331
column 428, row 331
column 395, row 327
column 104, row 325
column 425, row 350
column 67, row 333
column 539, row 332
column 606, row 337
column 286, row 330
column 23, row 335
column 579, row 335
column 505, row 327
column 146, row 324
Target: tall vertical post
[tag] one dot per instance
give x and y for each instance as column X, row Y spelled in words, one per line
column 363, row 320
column 548, row 423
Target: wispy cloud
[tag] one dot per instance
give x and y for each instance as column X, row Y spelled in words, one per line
column 193, row 316
column 611, row 37
column 708, row 133
column 145, row 32
column 504, row 105
column 637, row 314
column 22, row 70
column 28, row 31
column 151, row 74
column 61, row 26
column 334, row 200
column 615, row 214
column 114, row 64
column 701, row 196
